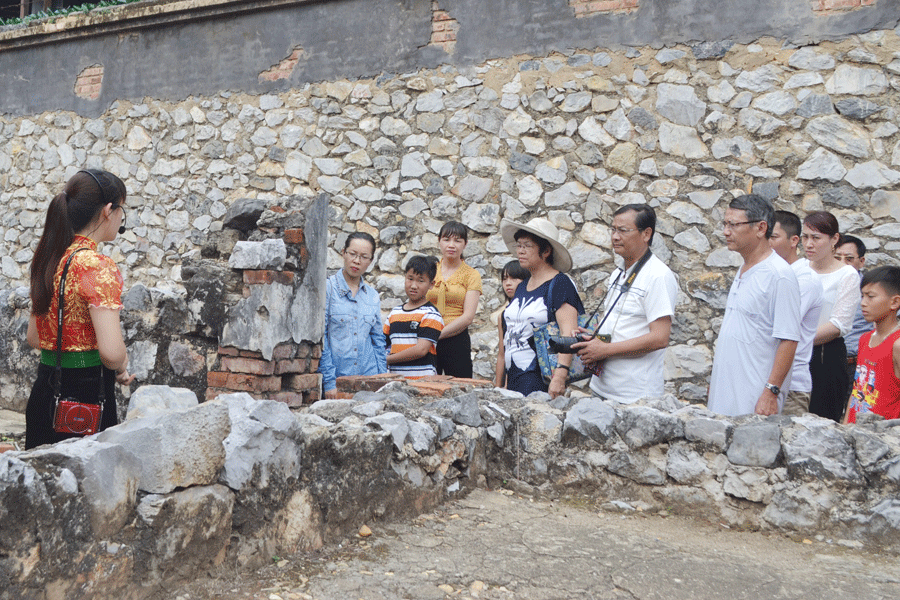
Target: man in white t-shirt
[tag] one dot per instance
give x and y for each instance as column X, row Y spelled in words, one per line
column 784, row 241
column 640, row 321
column 761, row 328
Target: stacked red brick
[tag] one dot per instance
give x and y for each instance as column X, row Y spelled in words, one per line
column 89, row 82
column 585, row 8
column 832, row 6
column 443, row 28
column 283, row 69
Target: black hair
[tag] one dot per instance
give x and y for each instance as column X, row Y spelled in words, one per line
column 789, row 222
column 70, row 211
column 422, row 265
column 514, row 270
column 542, row 244
column 852, row 239
column 823, row 222
column 360, row 235
column 758, row 209
column 644, row 217
column 887, row 276
column 454, row 228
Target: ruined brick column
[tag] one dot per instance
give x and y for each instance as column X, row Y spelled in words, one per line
column 272, row 339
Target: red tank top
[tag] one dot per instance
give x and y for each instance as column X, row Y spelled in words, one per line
column 875, row 388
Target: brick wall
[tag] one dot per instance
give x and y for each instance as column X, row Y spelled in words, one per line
column 443, row 28
column 586, row 8
column 832, row 6
column 89, row 82
column 284, row 68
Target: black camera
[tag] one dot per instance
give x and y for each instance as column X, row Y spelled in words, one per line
column 558, row 344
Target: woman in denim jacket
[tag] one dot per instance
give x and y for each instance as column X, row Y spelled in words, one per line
column 354, row 342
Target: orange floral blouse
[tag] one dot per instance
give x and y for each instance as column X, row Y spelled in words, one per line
column 93, row 280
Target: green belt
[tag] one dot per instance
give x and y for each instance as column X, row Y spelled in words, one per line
column 72, row 360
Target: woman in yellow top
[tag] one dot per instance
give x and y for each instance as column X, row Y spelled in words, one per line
column 455, row 294
column 89, row 210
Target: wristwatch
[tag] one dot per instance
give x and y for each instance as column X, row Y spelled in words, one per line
column 773, row 388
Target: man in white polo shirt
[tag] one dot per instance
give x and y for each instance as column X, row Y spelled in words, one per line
column 761, row 328
column 640, row 321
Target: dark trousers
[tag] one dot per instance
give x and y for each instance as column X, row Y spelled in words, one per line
column 454, row 356
column 828, row 367
column 79, row 383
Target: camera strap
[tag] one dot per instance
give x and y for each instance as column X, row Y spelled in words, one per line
column 57, row 375
column 626, row 285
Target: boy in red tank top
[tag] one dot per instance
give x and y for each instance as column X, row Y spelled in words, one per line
column 877, row 385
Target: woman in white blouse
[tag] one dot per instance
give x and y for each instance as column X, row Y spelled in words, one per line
column 840, row 283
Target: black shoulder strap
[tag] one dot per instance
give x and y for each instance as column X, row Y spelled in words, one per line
column 624, row 289
column 549, row 298
column 57, row 379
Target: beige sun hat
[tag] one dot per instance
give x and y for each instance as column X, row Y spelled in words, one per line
column 542, row 228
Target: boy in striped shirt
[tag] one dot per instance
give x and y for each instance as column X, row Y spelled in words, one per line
column 413, row 328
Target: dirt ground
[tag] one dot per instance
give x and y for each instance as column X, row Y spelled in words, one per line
column 497, row 545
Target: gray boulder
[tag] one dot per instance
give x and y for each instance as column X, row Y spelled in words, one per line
column 150, row 400
column 268, row 254
column 106, row 477
column 712, row 432
column 755, row 444
column 175, row 449
column 685, row 465
column 590, row 418
column 262, row 443
column 243, row 214
column 821, row 453
column 422, row 436
column 466, row 410
column 183, row 532
column 393, row 423
column 332, row 410
column 636, row 467
column 642, row 426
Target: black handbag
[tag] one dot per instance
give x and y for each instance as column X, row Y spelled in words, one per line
column 80, row 411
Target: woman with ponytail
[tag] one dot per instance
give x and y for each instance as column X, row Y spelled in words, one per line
column 89, row 210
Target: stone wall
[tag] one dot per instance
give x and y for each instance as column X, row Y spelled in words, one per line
column 571, row 136
column 231, row 482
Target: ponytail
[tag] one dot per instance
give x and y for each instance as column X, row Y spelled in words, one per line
column 56, row 238
column 69, row 212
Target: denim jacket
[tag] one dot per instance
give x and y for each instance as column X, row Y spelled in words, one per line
column 354, row 342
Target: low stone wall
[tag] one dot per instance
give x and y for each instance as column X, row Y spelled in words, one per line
column 235, row 481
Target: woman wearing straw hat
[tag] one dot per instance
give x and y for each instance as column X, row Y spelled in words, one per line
column 536, row 245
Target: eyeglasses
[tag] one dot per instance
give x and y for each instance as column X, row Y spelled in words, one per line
column 124, row 216
column 525, row 246
column 356, row 256
column 730, row 225
column 621, row 230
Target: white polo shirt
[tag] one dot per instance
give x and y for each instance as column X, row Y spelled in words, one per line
column 763, row 308
column 652, row 296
